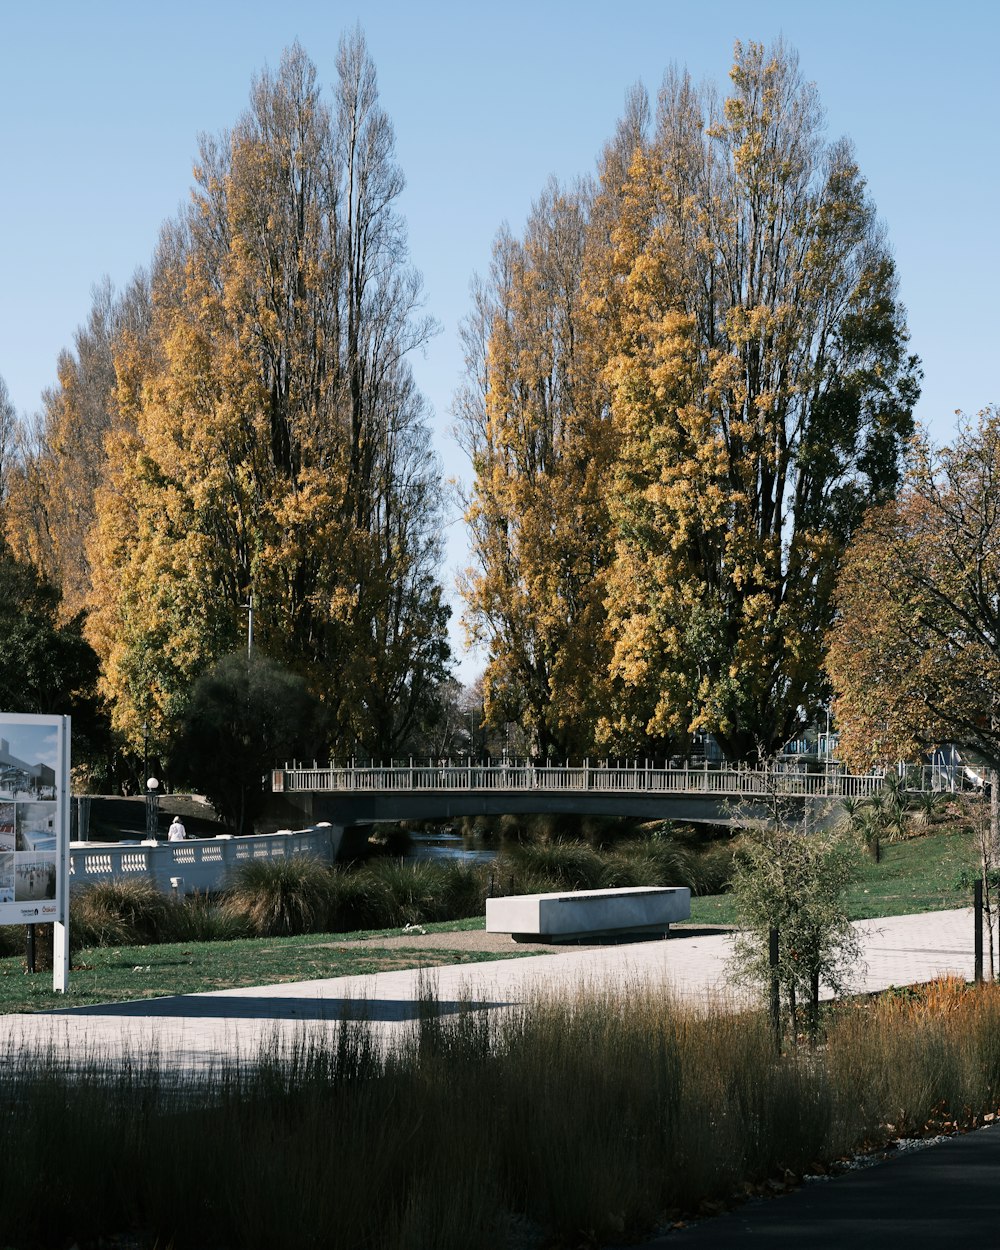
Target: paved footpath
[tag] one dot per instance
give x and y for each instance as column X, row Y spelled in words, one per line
column 921, row 1199
column 196, row 1030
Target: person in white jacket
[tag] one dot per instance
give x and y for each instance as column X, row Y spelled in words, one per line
column 176, row 832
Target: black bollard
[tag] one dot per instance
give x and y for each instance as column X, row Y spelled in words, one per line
column 977, row 913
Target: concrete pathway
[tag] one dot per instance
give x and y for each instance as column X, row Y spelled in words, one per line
column 196, row 1030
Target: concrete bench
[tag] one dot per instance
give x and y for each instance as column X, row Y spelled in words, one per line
column 588, row 913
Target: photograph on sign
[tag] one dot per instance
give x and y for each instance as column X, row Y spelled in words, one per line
column 36, row 827
column 8, row 826
column 31, row 817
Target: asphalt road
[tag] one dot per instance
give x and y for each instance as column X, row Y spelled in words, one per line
column 923, row 1199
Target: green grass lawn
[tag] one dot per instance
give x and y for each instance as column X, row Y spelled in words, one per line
column 921, row 874
column 122, row 973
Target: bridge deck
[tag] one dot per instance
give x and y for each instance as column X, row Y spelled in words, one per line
column 585, row 779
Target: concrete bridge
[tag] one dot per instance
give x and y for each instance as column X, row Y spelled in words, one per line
column 332, row 809
column 708, row 794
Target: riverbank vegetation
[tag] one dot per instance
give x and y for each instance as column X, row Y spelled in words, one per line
column 301, row 895
column 565, row 1122
column 130, row 941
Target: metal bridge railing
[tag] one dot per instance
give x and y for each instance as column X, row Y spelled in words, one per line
column 586, row 778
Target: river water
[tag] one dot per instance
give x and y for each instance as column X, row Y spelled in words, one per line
column 446, row 844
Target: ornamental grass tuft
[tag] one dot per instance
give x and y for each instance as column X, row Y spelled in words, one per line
column 281, row 897
column 124, row 911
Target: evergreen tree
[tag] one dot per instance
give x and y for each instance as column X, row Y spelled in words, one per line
column 46, row 665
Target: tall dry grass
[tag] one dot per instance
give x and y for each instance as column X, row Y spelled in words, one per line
column 584, row 1120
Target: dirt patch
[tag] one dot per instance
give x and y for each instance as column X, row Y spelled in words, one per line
column 468, row 940
column 499, row 943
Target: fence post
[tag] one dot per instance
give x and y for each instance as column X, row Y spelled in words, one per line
column 977, row 913
column 772, row 961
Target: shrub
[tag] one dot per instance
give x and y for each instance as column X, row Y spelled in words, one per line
column 281, row 897
column 650, row 861
column 202, row 918
column 510, row 826
column 360, row 900
column 463, row 891
column 567, row 865
column 125, row 911
column 713, row 868
column 411, row 892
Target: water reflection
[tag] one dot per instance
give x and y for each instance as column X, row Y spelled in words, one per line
column 446, row 843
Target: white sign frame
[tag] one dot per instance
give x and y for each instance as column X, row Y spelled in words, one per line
column 34, row 828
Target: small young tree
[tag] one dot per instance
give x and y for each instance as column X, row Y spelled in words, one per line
column 793, row 880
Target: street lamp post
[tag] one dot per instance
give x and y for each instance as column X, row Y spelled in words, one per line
column 152, row 809
column 248, row 609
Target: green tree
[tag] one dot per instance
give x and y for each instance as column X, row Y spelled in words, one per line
column 245, row 715
column 761, row 394
column 794, row 880
column 46, row 665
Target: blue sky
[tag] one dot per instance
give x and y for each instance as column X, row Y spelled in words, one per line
column 34, row 744
column 101, row 105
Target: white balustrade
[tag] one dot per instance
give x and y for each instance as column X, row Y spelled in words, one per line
column 202, row 863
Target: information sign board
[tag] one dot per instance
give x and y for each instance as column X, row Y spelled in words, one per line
column 34, row 826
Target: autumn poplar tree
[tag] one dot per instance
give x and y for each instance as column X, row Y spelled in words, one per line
column 280, row 449
column 530, row 418
column 63, row 452
column 761, row 391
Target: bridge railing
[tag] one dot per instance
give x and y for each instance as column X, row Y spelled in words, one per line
column 586, row 778
column 196, row 863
